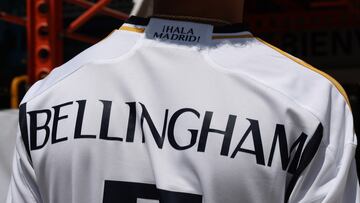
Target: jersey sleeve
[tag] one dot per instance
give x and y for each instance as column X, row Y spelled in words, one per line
column 23, row 187
column 332, row 175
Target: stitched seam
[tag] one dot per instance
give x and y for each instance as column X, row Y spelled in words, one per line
column 217, row 67
column 334, row 83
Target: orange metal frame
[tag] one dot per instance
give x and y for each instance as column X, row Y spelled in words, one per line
column 12, row 19
column 45, row 32
column 93, row 9
column 103, row 10
column 15, row 85
column 45, row 46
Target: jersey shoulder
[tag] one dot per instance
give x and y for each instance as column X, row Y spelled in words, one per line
column 329, row 79
column 114, row 45
column 287, row 75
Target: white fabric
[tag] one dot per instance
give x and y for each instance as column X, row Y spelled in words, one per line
column 8, row 126
column 184, row 116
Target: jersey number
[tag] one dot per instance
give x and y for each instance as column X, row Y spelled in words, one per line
column 126, row 192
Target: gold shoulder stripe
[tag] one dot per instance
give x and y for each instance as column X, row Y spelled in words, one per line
column 231, row 36
column 303, row 63
column 132, row 29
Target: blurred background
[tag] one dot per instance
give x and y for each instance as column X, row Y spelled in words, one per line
column 38, row 35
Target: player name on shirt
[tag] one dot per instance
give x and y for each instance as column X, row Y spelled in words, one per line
column 45, row 132
column 177, row 34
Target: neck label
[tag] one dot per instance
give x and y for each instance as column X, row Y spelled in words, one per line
column 179, row 32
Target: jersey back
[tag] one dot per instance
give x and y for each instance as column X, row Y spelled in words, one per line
column 172, row 111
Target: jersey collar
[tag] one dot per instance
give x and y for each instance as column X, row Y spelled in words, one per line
column 183, row 32
column 234, row 28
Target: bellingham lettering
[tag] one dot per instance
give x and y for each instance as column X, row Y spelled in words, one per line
column 141, row 117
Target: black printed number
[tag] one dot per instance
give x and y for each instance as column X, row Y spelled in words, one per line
column 126, row 192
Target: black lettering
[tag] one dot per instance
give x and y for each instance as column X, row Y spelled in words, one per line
column 280, row 135
column 57, row 118
column 127, row 192
column 105, row 121
column 145, row 116
column 284, row 151
column 182, row 38
column 192, row 39
column 191, row 32
column 258, row 148
column 79, row 121
column 227, row 133
column 157, row 35
column 299, row 144
column 169, row 29
column 174, row 37
column 166, row 36
column 183, row 31
column 132, row 122
column 186, row 38
column 177, row 30
column 24, row 128
column 172, row 123
column 34, row 128
column 306, row 157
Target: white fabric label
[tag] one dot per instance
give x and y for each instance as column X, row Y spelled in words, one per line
column 179, row 32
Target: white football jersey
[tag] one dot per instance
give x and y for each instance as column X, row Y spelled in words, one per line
column 181, row 112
